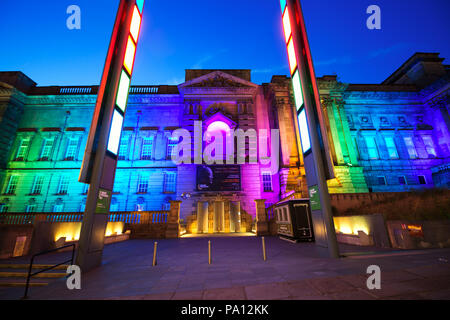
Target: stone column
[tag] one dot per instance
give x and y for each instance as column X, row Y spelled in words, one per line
column 173, row 220
column 226, row 215
column 262, row 226
column 283, row 174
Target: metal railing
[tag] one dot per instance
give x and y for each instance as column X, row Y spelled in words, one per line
column 25, row 296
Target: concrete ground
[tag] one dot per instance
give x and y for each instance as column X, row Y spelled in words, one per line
column 292, row 271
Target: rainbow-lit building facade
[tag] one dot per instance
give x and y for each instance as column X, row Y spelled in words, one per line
column 388, row 137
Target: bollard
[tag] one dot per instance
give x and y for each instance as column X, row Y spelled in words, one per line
column 154, row 253
column 209, row 252
column 264, row 248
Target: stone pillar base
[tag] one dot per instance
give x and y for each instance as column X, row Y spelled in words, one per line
column 262, row 228
column 172, row 231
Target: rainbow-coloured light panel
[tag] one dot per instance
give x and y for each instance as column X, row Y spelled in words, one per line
column 125, row 78
column 295, row 76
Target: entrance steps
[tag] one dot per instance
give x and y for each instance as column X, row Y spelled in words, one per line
column 15, row 275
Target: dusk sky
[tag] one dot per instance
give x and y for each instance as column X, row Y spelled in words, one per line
column 211, row 34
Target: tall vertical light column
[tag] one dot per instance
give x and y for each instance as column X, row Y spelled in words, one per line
column 310, row 124
column 100, row 158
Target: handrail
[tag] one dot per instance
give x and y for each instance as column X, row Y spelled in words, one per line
column 25, row 296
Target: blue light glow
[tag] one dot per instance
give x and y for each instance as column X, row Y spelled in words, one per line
column 304, row 133
column 115, row 132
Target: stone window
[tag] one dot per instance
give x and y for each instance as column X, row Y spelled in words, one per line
column 422, row 180
column 123, row 148
column 391, row 148
column 22, row 151
column 381, row 180
column 267, row 181
column 142, row 183
column 147, row 148
column 58, row 207
column 3, row 207
column 372, row 148
column 171, row 146
column 72, row 148
column 12, row 184
column 30, row 208
column 402, row 180
column 169, row 182
column 63, row 185
column 410, row 147
column 37, row 184
column 47, row 148
column 429, row 146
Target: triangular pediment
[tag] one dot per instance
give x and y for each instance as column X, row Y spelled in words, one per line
column 218, row 79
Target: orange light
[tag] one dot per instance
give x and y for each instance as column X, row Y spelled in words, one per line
column 135, row 24
column 286, row 25
column 129, row 56
column 291, row 55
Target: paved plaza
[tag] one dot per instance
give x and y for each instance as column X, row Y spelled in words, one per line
column 292, row 271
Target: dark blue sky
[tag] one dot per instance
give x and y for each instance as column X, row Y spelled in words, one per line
column 222, row 34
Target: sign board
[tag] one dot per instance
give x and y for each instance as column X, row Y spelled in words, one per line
column 218, row 178
column 103, row 200
column 314, row 198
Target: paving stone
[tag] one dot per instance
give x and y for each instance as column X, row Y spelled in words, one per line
column 330, row 285
column 188, row 295
column 356, row 294
column 236, row 293
column 270, row 291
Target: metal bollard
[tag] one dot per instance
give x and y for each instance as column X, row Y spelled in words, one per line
column 264, row 249
column 154, row 253
column 209, row 252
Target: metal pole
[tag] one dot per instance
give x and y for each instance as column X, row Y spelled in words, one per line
column 154, row 253
column 264, row 248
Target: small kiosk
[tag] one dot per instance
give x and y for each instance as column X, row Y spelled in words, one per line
column 294, row 220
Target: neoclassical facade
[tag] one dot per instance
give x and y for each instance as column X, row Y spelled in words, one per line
column 388, row 137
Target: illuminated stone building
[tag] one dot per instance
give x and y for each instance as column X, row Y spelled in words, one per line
column 393, row 136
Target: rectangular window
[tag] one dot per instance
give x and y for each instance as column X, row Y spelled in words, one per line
column 47, row 147
column 30, row 208
column 372, row 148
column 12, row 185
column 142, row 184
column 169, row 182
column 429, row 146
column 3, row 208
column 402, row 180
column 63, row 186
column 23, row 149
column 410, row 147
column 166, row 206
column 422, row 180
column 72, row 147
column 267, row 181
column 58, row 207
column 171, row 145
column 147, row 148
column 123, row 148
column 381, row 181
column 37, row 185
column 392, row 149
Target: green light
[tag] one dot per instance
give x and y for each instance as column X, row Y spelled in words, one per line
column 298, row 94
column 122, row 92
column 140, row 5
